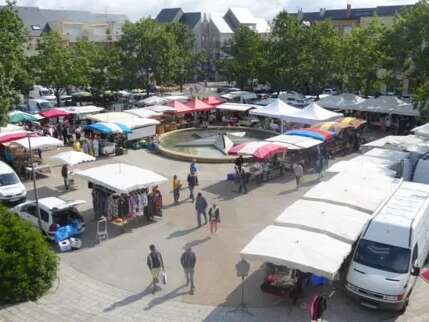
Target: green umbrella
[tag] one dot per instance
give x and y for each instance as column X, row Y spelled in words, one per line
column 18, row 117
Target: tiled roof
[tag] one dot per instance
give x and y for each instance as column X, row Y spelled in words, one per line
column 168, row 15
column 191, row 19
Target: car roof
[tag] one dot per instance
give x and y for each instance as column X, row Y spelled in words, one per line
column 5, row 168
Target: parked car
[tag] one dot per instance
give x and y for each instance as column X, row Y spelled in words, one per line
column 35, row 106
column 248, row 121
column 12, row 191
column 54, row 213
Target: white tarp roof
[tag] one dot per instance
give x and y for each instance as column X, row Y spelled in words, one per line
column 236, row 107
column 422, row 130
column 340, row 222
column 312, row 114
column 387, row 105
column 161, row 108
column 298, row 249
column 276, row 109
column 88, row 109
column 39, row 142
column 121, row 177
column 362, row 191
column 342, row 101
column 73, row 157
column 127, row 119
column 295, row 142
column 244, row 94
column 143, row 112
column 11, row 128
column 154, row 100
column 411, row 143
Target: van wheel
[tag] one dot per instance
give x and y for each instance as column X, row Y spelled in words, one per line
column 404, row 308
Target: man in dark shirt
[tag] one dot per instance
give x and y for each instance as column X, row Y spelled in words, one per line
column 155, row 264
column 188, row 261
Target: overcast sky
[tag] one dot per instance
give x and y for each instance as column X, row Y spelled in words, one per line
column 135, row 9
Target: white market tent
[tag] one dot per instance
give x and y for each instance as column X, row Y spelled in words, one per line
column 386, row 105
column 298, row 249
column 127, row 119
column 237, row 107
column 410, row 143
column 143, row 112
column 161, row 108
column 11, row 128
column 362, row 191
column 39, row 142
column 277, row 109
column 422, row 130
column 121, row 177
column 312, row 114
column 339, row 222
column 154, row 100
column 82, row 110
column 340, row 102
column 73, row 157
column 295, row 142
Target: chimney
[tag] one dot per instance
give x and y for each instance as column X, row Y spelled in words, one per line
column 322, row 12
column 349, row 10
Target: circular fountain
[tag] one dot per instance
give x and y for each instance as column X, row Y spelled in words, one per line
column 208, row 145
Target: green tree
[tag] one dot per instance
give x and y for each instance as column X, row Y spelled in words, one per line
column 407, row 46
column 28, row 266
column 245, row 58
column 59, row 65
column 148, row 53
column 362, row 57
column 13, row 74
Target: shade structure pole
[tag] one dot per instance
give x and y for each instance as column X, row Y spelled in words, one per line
column 36, row 195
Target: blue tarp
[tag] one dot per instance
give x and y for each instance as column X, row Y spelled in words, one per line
column 68, row 231
column 109, row 128
column 308, row 134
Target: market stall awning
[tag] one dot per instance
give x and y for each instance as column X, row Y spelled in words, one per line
column 199, row 106
column 295, row 142
column 331, row 126
column 214, row 100
column 38, row 142
column 387, row 105
column 410, row 143
column 352, row 121
column 154, row 100
column 312, row 114
column 294, row 248
column 73, row 157
column 81, row 110
column 316, row 134
column 339, row 222
column 129, row 120
column 180, row 108
column 54, row 112
column 277, row 109
column 110, row 128
column 340, row 102
column 11, row 128
column 161, row 108
column 12, row 136
column 422, row 130
column 260, row 150
column 236, row 107
column 19, row 117
column 143, row 112
column 121, row 177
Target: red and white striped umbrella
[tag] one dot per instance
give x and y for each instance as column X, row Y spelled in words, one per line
column 259, row 149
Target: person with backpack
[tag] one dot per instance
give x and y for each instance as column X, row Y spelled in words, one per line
column 188, row 261
column 192, row 182
column 214, row 218
column 156, row 266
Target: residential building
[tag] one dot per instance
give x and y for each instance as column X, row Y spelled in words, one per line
column 73, row 25
column 348, row 18
column 236, row 17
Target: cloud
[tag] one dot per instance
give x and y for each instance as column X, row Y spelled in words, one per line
column 136, row 9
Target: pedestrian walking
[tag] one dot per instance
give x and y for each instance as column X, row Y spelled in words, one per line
column 298, row 170
column 177, row 185
column 156, row 265
column 201, row 207
column 188, row 261
column 192, row 182
column 214, row 218
column 78, row 132
column 65, row 175
column 193, row 167
column 242, row 180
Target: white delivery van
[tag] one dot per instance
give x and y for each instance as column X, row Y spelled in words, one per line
column 12, row 191
column 391, row 250
column 41, row 92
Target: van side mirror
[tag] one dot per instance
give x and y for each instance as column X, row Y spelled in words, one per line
column 415, row 271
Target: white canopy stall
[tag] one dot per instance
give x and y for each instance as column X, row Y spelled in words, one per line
column 38, row 143
column 82, row 110
column 298, row 249
column 343, row 101
column 339, row 222
column 312, row 114
column 277, row 109
column 295, row 142
column 143, row 113
column 237, row 107
column 422, row 131
column 410, row 143
column 121, row 177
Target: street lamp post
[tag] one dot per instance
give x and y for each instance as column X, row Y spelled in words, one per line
column 36, row 196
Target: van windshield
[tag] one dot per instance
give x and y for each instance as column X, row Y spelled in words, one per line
column 8, row 179
column 384, row 257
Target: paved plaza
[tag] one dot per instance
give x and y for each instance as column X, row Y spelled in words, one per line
column 111, row 282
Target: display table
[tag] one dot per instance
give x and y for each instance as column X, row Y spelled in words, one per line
column 39, row 170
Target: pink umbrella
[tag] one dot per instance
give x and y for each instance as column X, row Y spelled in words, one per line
column 54, row 112
column 259, row 149
column 12, row 136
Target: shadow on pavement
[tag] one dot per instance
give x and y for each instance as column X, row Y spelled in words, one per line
column 181, row 233
column 196, row 242
column 167, row 297
column 130, row 299
column 44, row 192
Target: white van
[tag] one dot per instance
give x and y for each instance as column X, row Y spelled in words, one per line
column 41, row 92
column 391, row 250
column 12, row 191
